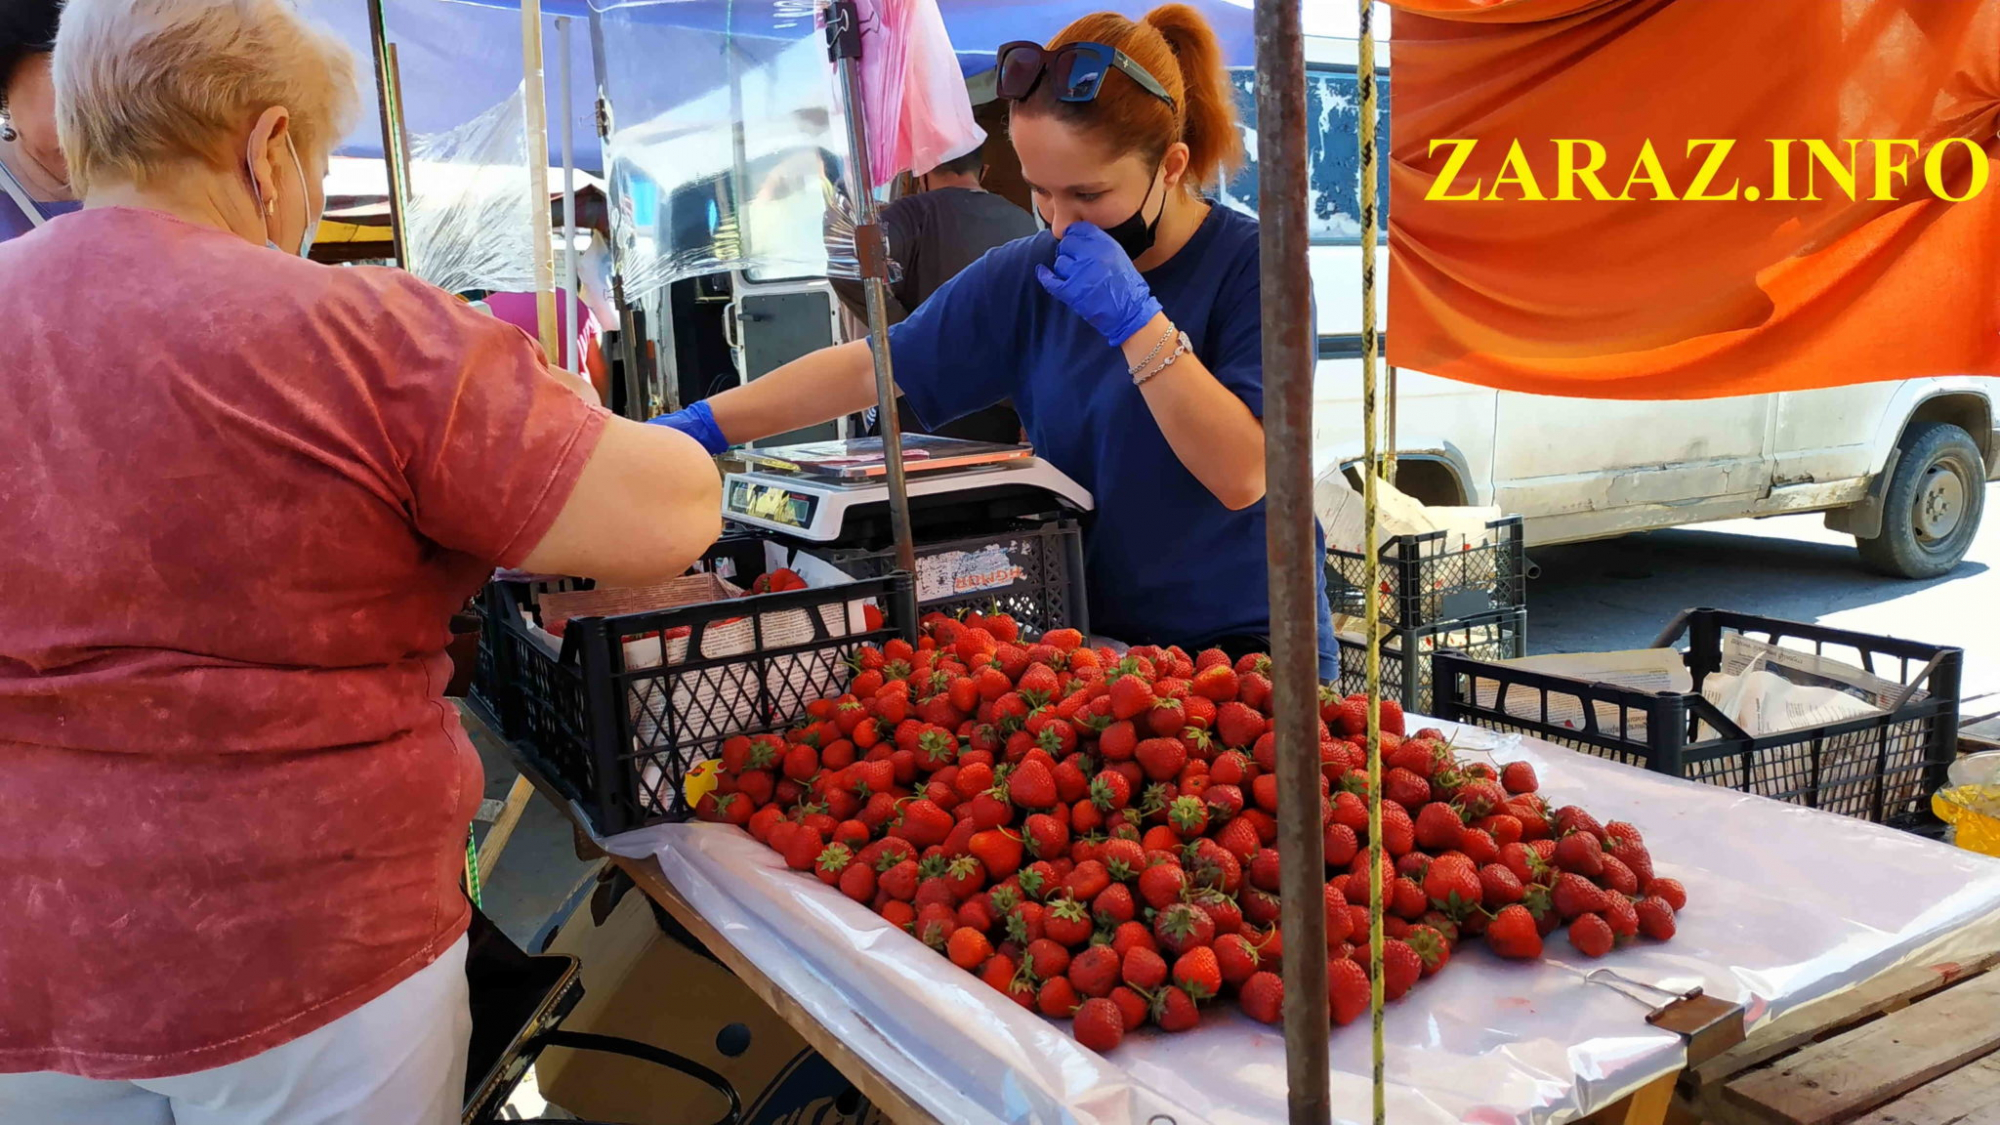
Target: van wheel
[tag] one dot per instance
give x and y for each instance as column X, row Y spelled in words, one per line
column 1931, row 511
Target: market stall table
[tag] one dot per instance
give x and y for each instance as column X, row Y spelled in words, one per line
column 1775, row 921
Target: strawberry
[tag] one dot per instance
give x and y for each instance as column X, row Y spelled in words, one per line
column 1405, row 898
column 800, row 847
column 1571, row 819
column 1513, row 934
column 1095, row 971
column 935, row 924
column 1456, row 887
column 857, row 881
column 899, row 881
column 1216, row 683
column 1431, row 946
column 1032, row 785
column 1671, row 890
column 1124, row 859
column 1350, row 810
column 1216, row 868
column 1162, row 885
column 1239, row 725
column 1499, row 886
column 1188, row 816
column 1183, row 926
column 924, row 823
column 1099, row 1024
column 1175, row 1010
column 1402, row 967
column 1131, row 697
column 1575, row 895
column 1262, row 870
column 998, row 852
column 1236, row 958
column 1143, row 968
column 832, row 863
column 968, row 948
column 1262, row 997
column 1622, row 916
column 1350, row 718
column 1260, row 908
column 1439, row 827
column 1618, row 877
column 1347, row 990
column 1405, row 788
column 1161, row 758
column 1045, row 958
column 1340, row 845
column 1057, row 998
column 1339, row 916
column 1067, row 922
column 1087, row 880
column 1046, row 836
column 1166, row 718
column 1656, row 918
column 1591, row 935
column 976, row 913
column 1581, row 853
column 1399, row 833
column 1518, row 777
column 999, row 972
column 1197, row 972
column 1113, row 905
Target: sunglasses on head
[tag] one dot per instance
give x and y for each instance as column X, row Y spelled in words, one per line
column 1077, row 69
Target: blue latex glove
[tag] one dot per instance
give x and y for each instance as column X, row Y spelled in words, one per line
column 697, row 422
column 1097, row 280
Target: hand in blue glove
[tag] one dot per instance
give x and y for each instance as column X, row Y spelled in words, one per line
column 1097, row 280
column 697, row 422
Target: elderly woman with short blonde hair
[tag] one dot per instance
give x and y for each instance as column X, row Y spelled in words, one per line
column 242, row 498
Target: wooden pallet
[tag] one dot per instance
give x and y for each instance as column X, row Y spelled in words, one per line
column 1919, row 1045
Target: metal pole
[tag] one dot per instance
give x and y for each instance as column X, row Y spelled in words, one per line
column 1372, row 563
column 569, row 282
column 535, row 95
column 843, row 44
column 639, row 401
column 1289, row 354
column 391, row 106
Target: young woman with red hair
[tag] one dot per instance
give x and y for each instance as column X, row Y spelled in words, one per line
column 1128, row 334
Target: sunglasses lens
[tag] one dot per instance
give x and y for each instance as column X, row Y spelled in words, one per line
column 1019, row 66
column 1076, row 74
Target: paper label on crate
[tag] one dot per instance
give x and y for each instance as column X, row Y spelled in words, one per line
column 957, row 573
column 702, row 778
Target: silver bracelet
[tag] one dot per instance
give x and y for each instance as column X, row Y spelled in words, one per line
column 1147, row 362
column 1184, row 347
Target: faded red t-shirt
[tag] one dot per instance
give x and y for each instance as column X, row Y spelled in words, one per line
column 240, row 496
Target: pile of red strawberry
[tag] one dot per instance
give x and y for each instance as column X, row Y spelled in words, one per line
column 1093, row 835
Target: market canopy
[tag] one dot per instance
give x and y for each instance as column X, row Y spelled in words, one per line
column 1835, row 263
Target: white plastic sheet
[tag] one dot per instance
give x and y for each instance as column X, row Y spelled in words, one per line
column 1786, row 905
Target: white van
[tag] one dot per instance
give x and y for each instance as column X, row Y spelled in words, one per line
column 1899, row 465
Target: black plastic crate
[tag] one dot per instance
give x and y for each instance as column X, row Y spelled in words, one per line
column 1032, row 572
column 1880, row 768
column 620, row 740
column 1406, row 654
column 1424, row 582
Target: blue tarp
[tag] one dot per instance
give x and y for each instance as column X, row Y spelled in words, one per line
column 458, row 58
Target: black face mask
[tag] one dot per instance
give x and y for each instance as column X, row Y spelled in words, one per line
column 1135, row 235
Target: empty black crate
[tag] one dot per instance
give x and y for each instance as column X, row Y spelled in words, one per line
column 1880, row 768
column 1425, row 582
column 1032, row 572
column 1406, row 654
column 619, row 740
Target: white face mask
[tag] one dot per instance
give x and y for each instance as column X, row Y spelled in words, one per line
column 312, row 221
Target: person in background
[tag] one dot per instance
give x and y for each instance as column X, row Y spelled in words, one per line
column 34, row 181
column 235, row 803
column 948, row 225
column 1129, row 335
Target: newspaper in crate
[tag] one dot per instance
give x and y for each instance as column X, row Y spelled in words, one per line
column 1343, row 516
column 952, row 574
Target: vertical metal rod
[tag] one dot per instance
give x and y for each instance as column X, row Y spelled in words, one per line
column 640, row 402
column 1389, row 435
column 569, row 282
column 535, row 99
column 1371, row 583
column 393, row 154
column 843, row 36
column 1289, row 354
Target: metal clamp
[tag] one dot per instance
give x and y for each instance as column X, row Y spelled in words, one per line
column 1706, row 1024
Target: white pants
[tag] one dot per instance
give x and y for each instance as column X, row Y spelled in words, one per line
column 397, row 1060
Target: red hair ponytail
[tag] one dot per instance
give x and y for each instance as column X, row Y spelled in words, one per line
column 1177, row 47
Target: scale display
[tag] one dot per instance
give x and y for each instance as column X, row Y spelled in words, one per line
column 770, row 504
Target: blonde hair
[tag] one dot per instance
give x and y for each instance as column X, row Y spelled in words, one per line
column 145, row 84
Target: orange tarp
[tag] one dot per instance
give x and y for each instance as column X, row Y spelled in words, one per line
column 1643, row 297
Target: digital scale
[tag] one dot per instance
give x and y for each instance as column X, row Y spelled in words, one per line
column 837, row 492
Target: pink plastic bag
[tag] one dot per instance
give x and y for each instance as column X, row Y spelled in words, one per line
column 912, row 92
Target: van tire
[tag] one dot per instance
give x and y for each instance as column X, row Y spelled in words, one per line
column 1931, row 509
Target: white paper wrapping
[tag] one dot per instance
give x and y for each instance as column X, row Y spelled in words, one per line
column 1786, row 905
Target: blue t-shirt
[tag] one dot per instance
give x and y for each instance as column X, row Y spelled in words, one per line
column 1166, row 562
